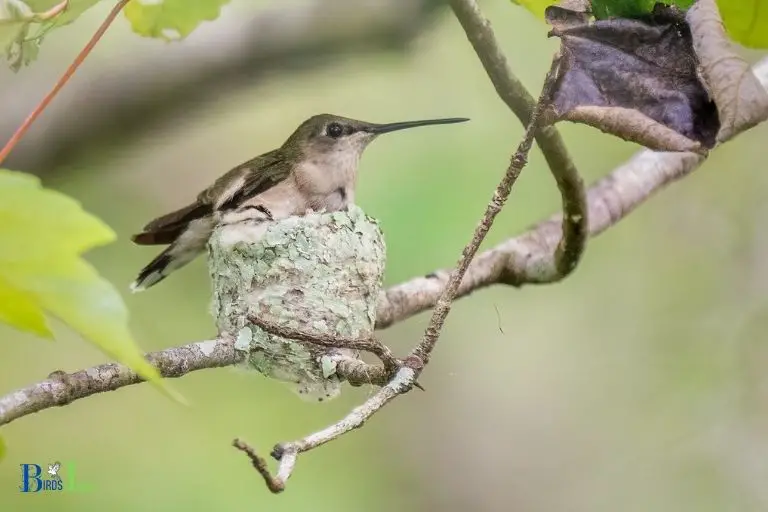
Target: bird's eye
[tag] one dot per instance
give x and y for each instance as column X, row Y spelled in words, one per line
column 334, row 130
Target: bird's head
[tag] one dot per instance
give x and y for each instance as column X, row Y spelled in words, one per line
column 326, row 134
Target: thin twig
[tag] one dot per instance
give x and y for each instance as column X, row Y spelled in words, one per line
column 509, row 88
column 288, row 452
column 275, row 485
column 371, row 345
column 16, row 137
column 356, row 373
column 518, row 161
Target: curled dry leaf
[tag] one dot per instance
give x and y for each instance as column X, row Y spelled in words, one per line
column 637, row 79
column 742, row 102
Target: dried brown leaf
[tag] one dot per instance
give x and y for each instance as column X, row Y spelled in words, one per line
column 634, row 78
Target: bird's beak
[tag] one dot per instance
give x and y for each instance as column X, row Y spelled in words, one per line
column 391, row 127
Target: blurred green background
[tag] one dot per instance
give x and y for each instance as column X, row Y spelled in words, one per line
column 637, row 384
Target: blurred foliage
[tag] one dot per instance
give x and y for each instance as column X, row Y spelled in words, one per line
column 73, row 10
column 44, row 232
column 42, row 235
column 25, row 23
column 171, row 19
column 537, row 7
column 746, row 21
column 637, row 384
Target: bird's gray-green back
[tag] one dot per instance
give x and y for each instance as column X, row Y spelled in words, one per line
column 247, row 180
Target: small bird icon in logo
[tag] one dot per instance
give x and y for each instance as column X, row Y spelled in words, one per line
column 53, row 470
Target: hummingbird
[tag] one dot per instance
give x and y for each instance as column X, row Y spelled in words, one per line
column 315, row 170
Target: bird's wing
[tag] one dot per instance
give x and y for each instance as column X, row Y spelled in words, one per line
column 244, row 181
column 165, row 229
column 247, row 180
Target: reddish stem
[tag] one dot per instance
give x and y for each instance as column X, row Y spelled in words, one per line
column 54, row 11
column 62, row 81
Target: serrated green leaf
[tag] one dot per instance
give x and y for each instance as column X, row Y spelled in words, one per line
column 42, row 235
column 15, row 16
column 171, row 19
column 746, row 21
column 23, row 23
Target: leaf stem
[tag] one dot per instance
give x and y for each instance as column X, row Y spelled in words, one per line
column 38, row 17
column 19, row 133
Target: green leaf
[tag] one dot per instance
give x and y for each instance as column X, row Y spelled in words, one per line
column 535, row 6
column 25, row 23
column 42, row 235
column 607, row 8
column 171, row 19
column 2, row 448
column 15, row 19
column 631, row 8
column 20, row 310
column 746, row 21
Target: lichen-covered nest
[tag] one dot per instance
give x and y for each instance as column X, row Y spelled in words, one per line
column 320, row 273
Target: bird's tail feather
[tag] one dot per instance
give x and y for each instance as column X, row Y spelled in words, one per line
column 159, row 268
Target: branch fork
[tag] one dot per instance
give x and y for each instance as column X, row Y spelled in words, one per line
column 407, row 374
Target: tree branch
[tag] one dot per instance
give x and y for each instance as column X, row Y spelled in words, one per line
column 62, row 388
column 519, row 159
column 512, row 91
column 515, row 262
column 529, row 258
column 288, row 452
